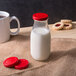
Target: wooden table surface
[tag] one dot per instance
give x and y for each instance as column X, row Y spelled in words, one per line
column 19, row 46
column 55, row 34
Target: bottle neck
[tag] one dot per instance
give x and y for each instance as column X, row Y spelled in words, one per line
column 40, row 24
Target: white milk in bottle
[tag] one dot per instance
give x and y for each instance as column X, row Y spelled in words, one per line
column 40, row 37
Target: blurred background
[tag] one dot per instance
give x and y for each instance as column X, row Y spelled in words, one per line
column 24, row 9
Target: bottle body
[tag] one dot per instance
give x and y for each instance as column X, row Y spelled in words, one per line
column 40, row 43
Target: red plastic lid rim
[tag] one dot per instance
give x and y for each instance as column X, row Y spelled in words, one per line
column 40, row 16
column 23, row 63
column 10, row 62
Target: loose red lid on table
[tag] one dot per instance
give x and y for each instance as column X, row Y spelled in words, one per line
column 40, row 16
column 23, row 63
column 10, row 62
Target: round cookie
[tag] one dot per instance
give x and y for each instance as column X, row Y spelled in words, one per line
column 58, row 26
column 67, row 26
column 66, row 21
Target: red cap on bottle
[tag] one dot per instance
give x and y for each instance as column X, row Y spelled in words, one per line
column 40, row 16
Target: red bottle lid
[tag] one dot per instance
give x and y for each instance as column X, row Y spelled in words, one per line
column 10, row 62
column 40, row 16
column 22, row 64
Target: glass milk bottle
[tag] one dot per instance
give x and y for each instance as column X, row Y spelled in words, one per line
column 40, row 37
